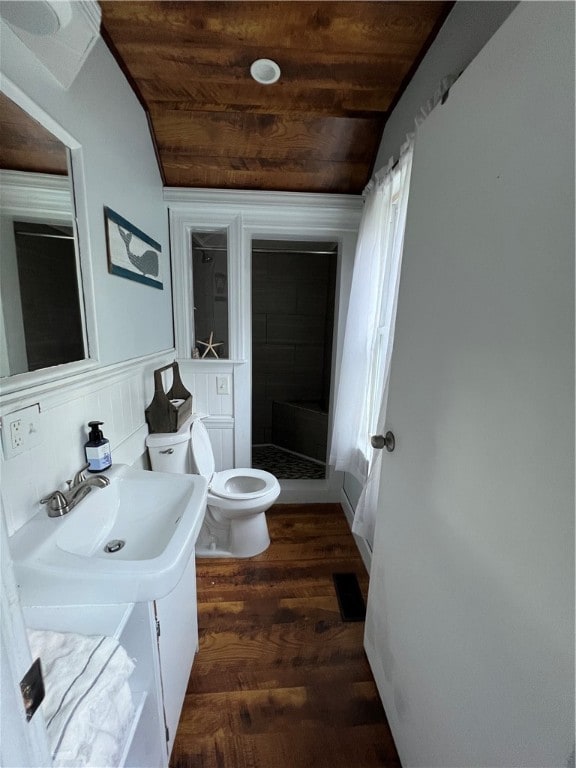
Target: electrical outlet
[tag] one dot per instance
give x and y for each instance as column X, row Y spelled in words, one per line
column 223, row 385
column 21, row 431
column 16, row 438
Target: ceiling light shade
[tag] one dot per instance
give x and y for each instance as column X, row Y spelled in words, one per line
column 38, row 17
column 265, row 71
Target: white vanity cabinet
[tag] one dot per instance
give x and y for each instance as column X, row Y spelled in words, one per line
column 162, row 638
column 177, row 617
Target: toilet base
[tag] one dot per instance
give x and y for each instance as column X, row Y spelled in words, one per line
column 239, row 537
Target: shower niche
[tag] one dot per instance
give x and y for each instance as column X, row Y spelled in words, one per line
column 293, row 297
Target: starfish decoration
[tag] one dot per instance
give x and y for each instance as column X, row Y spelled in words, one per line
column 210, row 345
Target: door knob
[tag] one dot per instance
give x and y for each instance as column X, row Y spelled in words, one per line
column 387, row 441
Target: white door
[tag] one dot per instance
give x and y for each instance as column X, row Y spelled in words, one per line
column 470, row 622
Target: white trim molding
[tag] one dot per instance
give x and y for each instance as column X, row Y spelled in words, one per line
column 36, row 194
column 182, row 225
column 56, row 386
column 281, row 203
column 49, row 197
column 23, row 743
column 247, row 216
column 362, row 544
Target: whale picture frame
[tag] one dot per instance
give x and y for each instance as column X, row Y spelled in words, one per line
column 131, row 253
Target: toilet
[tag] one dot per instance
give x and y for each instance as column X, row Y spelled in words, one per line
column 235, row 521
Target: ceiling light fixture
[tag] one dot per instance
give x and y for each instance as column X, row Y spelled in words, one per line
column 38, row 17
column 265, row 71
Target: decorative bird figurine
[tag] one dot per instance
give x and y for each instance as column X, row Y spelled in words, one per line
column 147, row 263
column 210, row 345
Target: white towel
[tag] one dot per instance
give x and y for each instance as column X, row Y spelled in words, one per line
column 88, row 705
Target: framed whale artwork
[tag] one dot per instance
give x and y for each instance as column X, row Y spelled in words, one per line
column 131, row 253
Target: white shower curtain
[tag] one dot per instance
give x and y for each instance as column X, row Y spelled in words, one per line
column 365, row 369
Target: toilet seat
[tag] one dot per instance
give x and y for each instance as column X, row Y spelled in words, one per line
column 241, row 484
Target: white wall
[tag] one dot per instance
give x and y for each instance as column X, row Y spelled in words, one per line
column 199, row 378
column 116, row 395
column 464, row 33
column 248, row 216
column 133, row 321
column 470, row 628
column 101, row 112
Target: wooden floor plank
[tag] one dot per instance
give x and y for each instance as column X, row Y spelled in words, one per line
column 280, row 681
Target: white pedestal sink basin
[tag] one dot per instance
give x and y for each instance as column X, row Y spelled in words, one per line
column 155, row 517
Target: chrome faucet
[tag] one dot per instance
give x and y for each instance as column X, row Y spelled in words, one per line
column 61, row 502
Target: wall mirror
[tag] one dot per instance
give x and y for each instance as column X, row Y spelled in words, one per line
column 42, row 308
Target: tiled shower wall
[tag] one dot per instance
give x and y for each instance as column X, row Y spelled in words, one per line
column 292, row 320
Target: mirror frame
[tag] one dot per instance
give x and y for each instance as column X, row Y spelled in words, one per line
column 17, row 386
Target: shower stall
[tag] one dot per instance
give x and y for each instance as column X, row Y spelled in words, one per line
column 293, row 298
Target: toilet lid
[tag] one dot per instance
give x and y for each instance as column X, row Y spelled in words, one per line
column 242, row 484
column 202, row 450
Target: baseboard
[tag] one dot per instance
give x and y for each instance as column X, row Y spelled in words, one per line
column 308, row 492
column 362, row 544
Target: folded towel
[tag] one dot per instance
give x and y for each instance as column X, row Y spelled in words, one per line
column 88, row 705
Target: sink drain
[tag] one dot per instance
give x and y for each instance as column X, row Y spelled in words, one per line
column 114, row 546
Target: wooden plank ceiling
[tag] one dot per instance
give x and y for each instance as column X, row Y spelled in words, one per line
column 344, row 65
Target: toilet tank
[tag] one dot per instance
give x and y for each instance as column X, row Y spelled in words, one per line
column 170, row 451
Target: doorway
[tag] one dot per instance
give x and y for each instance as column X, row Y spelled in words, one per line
column 293, row 300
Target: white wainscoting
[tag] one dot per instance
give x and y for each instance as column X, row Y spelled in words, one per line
column 249, row 215
column 200, row 379
column 221, row 433
column 116, row 395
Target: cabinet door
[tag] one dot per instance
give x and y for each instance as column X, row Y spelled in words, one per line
column 178, row 643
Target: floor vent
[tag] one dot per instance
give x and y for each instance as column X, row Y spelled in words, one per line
column 350, row 600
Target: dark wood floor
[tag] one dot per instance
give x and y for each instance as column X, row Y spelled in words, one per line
column 280, row 681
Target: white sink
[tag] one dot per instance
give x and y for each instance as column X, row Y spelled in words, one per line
column 157, row 516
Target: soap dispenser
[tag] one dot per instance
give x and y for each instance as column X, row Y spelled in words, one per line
column 97, row 449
